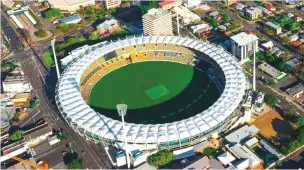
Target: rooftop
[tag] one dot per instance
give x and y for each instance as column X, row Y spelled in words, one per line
column 69, row 19
column 299, row 88
column 244, row 38
column 241, row 133
column 293, row 62
column 37, row 132
column 273, row 25
column 166, row 2
column 226, row 158
column 154, row 13
column 68, row 2
column 275, row 73
column 247, row 157
column 14, row 79
column 21, row 95
column 108, row 24
column 205, row 163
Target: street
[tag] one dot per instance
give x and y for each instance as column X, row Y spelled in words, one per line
column 47, row 109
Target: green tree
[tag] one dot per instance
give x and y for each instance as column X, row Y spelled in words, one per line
column 93, row 36
column 160, row 158
column 41, row 33
column 268, row 31
column 271, row 83
column 76, row 163
column 271, row 100
column 61, row 136
column 48, row 58
column 214, row 23
column 17, row 135
column 226, row 18
column 302, row 49
column 291, row 112
column 286, row 39
column 300, row 121
column 52, row 13
column 302, row 75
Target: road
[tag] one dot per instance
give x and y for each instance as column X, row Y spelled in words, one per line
column 11, row 35
column 92, row 159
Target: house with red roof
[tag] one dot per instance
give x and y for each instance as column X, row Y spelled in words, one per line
column 297, row 18
column 168, row 4
column 269, row 6
column 296, row 43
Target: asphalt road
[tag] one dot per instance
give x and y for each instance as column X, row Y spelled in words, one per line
column 9, row 32
column 93, row 159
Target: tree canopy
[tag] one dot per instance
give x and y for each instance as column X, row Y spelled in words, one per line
column 226, row 18
column 76, row 163
column 291, row 112
column 160, row 158
column 17, row 135
column 271, row 100
column 52, row 13
column 300, row 121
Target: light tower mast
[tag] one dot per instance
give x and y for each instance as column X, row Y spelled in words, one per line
column 254, row 67
column 55, row 58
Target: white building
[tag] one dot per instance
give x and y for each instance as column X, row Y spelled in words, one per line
column 242, row 45
column 112, row 3
column 70, row 6
column 16, row 84
column 275, row 28
column 157, row 22
column 186, row 16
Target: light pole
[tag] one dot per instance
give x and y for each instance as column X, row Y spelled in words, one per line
column 122, row 111
column 55, row 58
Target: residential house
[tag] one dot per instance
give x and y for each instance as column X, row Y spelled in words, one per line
column 226, row 158
column 7, row 114
column 269, row 6
column 296, row 91
column 293, row 63
column 230, row 2
column 271, row 71
column 277, row 29
column 267, row 45
column 239, row 6
column 168, row 4
column 297, row 18
column 293, row 37
column 201, row 29
column 108, row 26
column 214, row 13
column 205, row 163
column 186, row 16
column 253, row 13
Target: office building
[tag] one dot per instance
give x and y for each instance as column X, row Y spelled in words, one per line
column 16, row 84
column 112, row 3
column 242, row 45
column 157, row 22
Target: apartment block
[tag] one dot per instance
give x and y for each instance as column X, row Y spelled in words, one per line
column 157, row 22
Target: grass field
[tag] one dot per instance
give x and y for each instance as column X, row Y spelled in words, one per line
column 155, row 91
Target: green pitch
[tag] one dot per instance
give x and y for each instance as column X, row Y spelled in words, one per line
column 155, row 91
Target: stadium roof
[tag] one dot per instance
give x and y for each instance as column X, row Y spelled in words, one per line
column 72, row 105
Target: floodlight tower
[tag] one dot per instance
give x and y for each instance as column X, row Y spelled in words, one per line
column 254, row 74
column 55, row 58
column 177, row 20
column 122, row 111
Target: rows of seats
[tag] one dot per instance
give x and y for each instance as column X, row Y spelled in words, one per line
column 94, row 76
column 153, row 47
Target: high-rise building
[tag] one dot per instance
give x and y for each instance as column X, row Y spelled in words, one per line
column 157, row 22
column 242, row 45
column 112, row 3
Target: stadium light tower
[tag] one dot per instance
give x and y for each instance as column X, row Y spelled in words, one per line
column 254, row 67
column 122, row 111
column 55, row 58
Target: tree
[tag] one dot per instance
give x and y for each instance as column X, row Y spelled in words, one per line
column 271, row 100
column 62, row 137
column 226, row 18
column 41, row 33
column 271, row 83
column 17, row 135
column 302, row 49
column 286, row 39
column 300, row 121
column 48, row 58
column 45, row 4
column 291, row 112
column 52, row 13
column 302, row 75
column 268, row 31
column 93, row 36
column 214, row 23
column 160, row 158
column 76, row 163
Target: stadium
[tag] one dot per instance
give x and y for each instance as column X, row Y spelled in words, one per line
column 179, row 91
